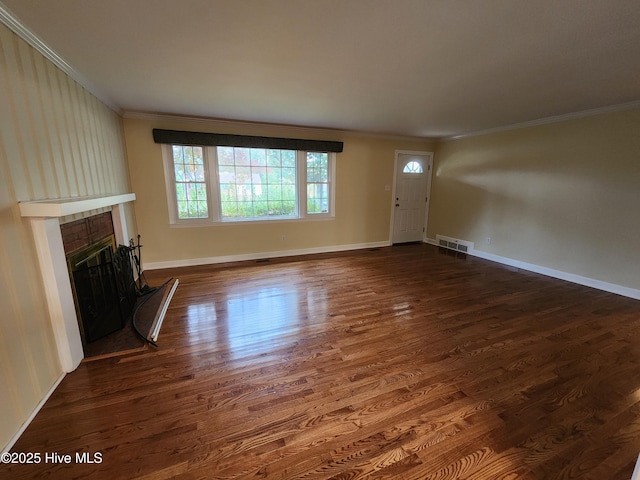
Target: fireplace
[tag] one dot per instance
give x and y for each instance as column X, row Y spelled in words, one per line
column 44, row 217
column 101, row 281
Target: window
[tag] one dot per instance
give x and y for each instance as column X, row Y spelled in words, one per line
column 317, row 182
column 412, row 167
column 190, row 186
column 256, row 182
column 228, row 184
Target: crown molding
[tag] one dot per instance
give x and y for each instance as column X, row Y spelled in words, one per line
column 548, row 120
column 13, row 23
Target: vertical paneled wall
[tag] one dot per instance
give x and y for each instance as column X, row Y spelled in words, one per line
column 56, row 140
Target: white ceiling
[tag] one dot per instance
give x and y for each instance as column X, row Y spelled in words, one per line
column 428, row 68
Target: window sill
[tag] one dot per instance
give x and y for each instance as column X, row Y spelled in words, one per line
column 226, row 223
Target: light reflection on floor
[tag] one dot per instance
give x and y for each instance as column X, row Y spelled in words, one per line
column 260, row 317
column 201, row 320
column 252, row 318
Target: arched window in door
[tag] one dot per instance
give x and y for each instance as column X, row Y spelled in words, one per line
column 412, row 167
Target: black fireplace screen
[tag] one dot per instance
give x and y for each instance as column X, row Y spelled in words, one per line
column 99, row 302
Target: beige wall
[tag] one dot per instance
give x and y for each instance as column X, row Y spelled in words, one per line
column 363, row 206
column 563, row 196
column 56, row 140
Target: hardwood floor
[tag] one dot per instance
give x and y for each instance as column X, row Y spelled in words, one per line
column 405, row 362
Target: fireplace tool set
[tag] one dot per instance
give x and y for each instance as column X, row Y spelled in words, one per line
column 137, row 288
column 135, row 250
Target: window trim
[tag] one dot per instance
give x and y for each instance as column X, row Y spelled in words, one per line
column 213, row 194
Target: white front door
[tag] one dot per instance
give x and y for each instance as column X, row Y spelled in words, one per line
column 411, row 190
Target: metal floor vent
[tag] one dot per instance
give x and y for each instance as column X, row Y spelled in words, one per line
column 454, row 243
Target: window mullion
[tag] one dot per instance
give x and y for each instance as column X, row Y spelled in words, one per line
column 301, row 161
column 331, row 177
column 213, row 183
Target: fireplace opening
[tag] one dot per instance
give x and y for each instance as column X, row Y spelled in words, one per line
column 95, row 289
column 101, row 276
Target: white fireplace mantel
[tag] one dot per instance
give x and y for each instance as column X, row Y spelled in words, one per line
column 44, row 216
column 61, row 207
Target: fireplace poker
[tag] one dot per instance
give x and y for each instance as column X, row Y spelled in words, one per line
column 143, row 287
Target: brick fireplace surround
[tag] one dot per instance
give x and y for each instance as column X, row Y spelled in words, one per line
column 86, row 231
column 45, row 216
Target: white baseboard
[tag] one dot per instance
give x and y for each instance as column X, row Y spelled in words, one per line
column 550, row 272
column 30, row 418
column 260, row 256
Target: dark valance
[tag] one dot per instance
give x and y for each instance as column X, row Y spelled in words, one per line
column 177, row 137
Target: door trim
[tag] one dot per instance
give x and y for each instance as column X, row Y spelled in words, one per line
column 429, row 156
